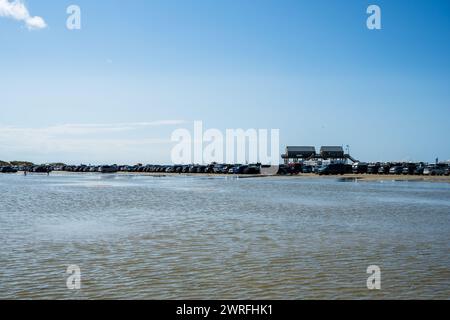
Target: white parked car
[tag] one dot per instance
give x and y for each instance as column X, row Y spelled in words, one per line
column 434, row 170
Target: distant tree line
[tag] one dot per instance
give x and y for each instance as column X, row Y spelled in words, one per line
column 16, row 163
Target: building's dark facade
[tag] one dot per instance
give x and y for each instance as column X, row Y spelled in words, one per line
column 296, row 154
column 302, row 154
column 332, row 152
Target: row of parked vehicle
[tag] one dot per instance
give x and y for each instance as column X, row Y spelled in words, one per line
column 369, row 168
column 402, row 168
column 15, row 169
column 291, row 169
column 212, row 169
column 85, row 168
column 8, row 169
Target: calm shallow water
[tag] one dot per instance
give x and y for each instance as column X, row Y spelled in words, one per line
column 217, row 238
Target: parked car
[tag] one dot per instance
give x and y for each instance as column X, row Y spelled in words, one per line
column 434, row 170
column 360, row 167
column 307, row 169
column 178, row 169
column 396, row 170
column 227, row 167
column 162, row 169
column 230, row 168
column 348, row 168
column 333, row 168
column 209, row 168
column 286, row 169
column 193, row 169
column 408, row 168
column 447, row 171
column 419, row 170
column 40, row 169
column 253, row 169
column 219, row 168
column 384, row 169
column 295, row 168
column 240, row 169
column 108, row 169
column 8, row 169
column 201, row 169
column 185, row 169
column 373, row 168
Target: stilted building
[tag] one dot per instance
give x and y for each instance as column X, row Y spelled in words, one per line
column 298, row 154
column 332, row 153
column 307, row 153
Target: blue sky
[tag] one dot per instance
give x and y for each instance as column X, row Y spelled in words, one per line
column 116, row 89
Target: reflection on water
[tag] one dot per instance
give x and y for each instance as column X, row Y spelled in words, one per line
column 202, row 238
column 347, row 179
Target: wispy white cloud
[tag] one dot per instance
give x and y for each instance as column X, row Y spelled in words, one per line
column 17, row 10
column 84, row 128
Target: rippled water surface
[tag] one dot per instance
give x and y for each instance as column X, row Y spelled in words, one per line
column 222, row 238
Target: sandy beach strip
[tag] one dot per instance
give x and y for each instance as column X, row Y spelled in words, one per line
column 356, row 177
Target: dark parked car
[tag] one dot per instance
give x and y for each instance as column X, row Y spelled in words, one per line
column 333, row 168
column 227, row 168
column 108, row 169
column 185, row 169
column 348, row 169
column 239, row 169
column 295, row 168
column 202, row 169
column 219, row 168
column 419, row 170
column 253, row 169
column 193, row 169
column 360, row 167
column 8, row 169
column 287, row 169
column 373, row 168
column 40, row 169
column 384, row 169
column 409, row 168
column 307, row 169
column 209, row 168
column 178, row 169
column 232, row 168
column 161, row 169
column 447, row 171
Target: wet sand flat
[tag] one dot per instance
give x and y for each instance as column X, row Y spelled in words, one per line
column 359, row 177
